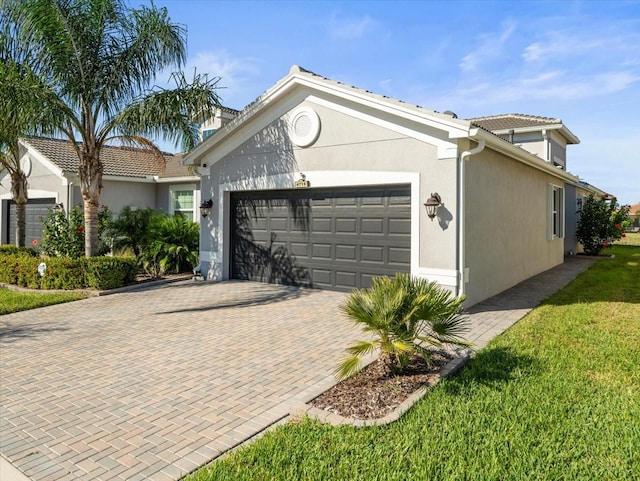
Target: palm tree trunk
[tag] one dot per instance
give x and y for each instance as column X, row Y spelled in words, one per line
column 91, row 187
column 20, row 196
column 90, row 226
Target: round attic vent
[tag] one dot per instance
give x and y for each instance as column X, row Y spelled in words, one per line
column 304, row 126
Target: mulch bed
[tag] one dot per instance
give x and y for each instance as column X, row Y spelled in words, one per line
column 373, row 392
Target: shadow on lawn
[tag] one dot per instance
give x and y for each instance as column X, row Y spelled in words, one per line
column 12, row 333
column 491, row 367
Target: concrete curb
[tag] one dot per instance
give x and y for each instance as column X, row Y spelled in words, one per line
column 301, row 409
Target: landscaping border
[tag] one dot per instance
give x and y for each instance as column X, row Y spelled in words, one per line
column 301, row 409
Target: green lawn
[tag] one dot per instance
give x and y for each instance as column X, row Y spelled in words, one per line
column 11, row 301
column 557, row 397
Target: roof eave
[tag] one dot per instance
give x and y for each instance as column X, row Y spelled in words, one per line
column 456, row 128
column 521, row 155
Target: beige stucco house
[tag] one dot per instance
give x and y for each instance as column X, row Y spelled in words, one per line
column 322, row 184
column 132, row 177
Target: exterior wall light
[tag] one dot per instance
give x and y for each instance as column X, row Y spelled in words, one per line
column 432, row 205
column 205, row 207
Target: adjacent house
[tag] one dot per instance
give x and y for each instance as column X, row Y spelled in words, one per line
column 321, row 184
column 634, row 213
column 132, row 177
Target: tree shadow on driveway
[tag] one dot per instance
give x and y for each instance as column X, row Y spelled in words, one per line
column 14, row 332
column 262, row 294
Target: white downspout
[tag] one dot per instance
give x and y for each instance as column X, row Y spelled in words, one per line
column 461, row 214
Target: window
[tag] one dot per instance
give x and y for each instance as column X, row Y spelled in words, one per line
column 183, row 201
column 208, row 133
column 556, row 212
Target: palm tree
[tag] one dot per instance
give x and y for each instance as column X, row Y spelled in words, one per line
column 100, row 59
column 404, row 315
column 23, row 97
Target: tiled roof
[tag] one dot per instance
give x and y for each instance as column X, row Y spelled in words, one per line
column 117, row 161
column 513, row 121
column 229, row 110
column 174, row 168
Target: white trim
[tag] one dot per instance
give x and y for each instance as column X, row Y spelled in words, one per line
column 168, row 180
column 319, row 179
column 446, row 149
column 31, row 150
column 314, row 126
column 455, row 128
column 196, row 199
column 34, row 194
column 445, row 277
column 551, row 189
column 210, row 256
column 521, row 155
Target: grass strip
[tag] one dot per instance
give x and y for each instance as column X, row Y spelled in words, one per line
column 12, row 301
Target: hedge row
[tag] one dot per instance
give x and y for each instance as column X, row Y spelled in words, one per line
column 65, row 273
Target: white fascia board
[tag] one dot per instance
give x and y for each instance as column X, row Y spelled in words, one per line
column 388, row 105
column 455, row 128
column 170, row 180
column 33, row 152
column 123, row 178
column 446, row 148
column 236, row 136
column 538, row 128
column 521, row 155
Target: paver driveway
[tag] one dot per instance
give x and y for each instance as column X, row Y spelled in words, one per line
column 152, row 384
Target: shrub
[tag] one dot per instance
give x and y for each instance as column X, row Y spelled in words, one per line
column 175, row 245
column 133, row 229
column 66, row 272
column 405, row 315
column 63, row 273
column 602, row 221
column 63, row 236
column 6, row 249
column 110, row 272
column 20, row 269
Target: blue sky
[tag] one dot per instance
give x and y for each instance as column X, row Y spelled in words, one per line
column 575, row 60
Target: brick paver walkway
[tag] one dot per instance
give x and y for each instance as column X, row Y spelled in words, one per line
column 153, row 384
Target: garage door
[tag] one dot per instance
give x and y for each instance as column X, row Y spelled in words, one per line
column 327, row 238
column 37, row 209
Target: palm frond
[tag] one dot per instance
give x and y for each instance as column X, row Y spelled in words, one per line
column 348, row 367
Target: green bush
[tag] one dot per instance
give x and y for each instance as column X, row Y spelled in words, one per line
column 63, row 236
column 110, row 272
column 63, row 273
column 160, row 243
column 132, row 229
column 66, row 272
column 602, row 221
column 175, row 247
column 20, row 269
column 6, row 249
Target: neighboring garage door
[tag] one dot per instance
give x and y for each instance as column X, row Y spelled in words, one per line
column 37, row 209
column 326, row 238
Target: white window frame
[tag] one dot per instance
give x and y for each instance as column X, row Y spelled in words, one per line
column 180, row 188
column 556, row 212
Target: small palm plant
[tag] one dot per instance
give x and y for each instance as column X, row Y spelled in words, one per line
column 405, row 315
